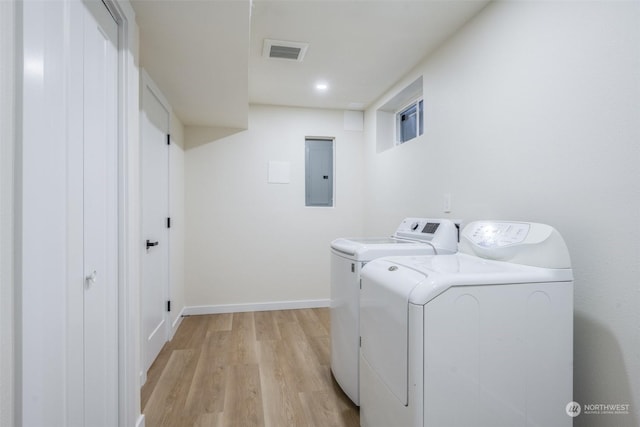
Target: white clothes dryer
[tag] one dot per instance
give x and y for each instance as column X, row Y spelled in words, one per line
column 481, row 338
column 414, row 236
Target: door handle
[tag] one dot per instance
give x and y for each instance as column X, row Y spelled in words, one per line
column 150, row 244
column 91, row 279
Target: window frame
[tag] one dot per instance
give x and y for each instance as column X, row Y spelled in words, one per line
column 418, row 104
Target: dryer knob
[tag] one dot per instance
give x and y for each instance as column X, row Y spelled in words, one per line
column 415, row 226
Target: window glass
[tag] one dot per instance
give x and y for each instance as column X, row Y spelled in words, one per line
column 410, row 122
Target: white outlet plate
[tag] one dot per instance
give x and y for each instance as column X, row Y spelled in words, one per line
column 447, row 203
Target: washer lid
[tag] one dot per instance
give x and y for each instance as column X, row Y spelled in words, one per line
column 425, row 234
column 368, row 249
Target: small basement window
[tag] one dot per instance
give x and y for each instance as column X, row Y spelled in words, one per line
column 401, row 118
column 410, row 122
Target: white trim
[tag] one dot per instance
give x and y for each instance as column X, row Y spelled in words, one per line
column 142, row 377
column 7, row 133
column 258, row 306
column 129, row 233
column 153, row 87
column 176, row 324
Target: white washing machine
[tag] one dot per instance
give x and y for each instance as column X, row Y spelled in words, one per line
column 481, row 338
column 414, row 236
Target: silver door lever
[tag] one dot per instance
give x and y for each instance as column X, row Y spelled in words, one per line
column 91, row 279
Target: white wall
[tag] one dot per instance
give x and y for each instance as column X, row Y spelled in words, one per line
column 248, row 241
column 7, row 138
column 532, row 113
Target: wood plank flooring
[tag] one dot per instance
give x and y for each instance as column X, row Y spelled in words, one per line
column 269, row 368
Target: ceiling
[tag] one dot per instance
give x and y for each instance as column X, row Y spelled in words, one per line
column 206, row 55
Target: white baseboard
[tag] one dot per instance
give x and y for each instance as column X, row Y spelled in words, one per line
column 259, row 306
column 140, row 422
column 176, row 323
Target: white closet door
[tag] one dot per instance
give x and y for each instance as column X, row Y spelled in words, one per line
column 154, row 124
column 100, row 216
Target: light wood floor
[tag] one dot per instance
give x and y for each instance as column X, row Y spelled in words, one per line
column 268, row 368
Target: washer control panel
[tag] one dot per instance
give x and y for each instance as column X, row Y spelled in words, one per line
column 420, row 228
column 498, row 234
column 442, row 234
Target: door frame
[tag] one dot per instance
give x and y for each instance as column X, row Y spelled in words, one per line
column 129, row 233
column 147, row 81
column 7, row 133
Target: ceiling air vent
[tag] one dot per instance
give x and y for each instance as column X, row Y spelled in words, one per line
column 279, row 49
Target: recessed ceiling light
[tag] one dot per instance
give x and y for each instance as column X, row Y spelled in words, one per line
column 322, row 86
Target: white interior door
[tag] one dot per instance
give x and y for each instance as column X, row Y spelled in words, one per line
column 155, row 211
column 100, row 141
